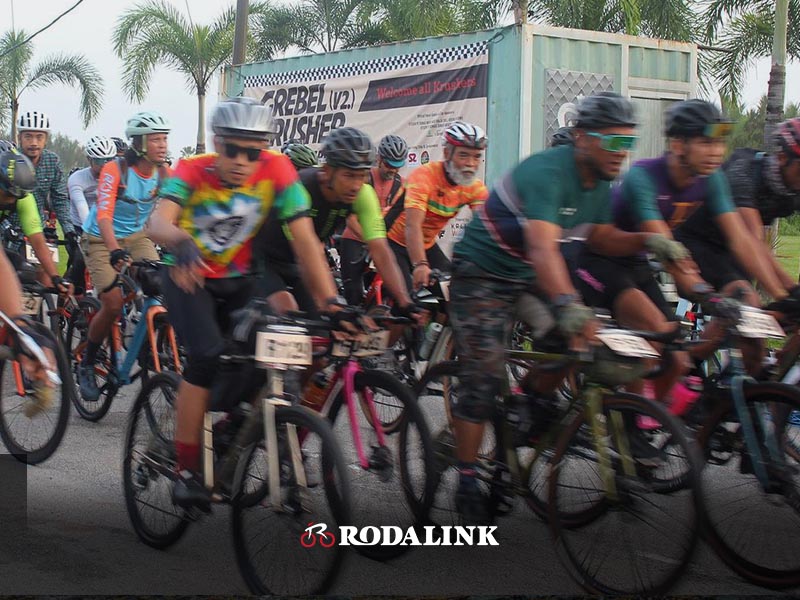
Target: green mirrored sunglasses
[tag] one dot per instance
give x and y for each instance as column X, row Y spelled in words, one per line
column 615, row 142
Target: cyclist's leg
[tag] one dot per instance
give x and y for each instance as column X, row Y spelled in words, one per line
column 437, row 259
column 352, row 255
column 403, row 261
column 103, row 277
column 140, row 247
column 273, row 286
column 479, row 314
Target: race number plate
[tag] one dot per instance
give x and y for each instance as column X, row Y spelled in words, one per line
column 756, row 323
column 445, row 287
column 283, row 349
column 626, row 344
column 373, row 344
column 31, row 305
column 30, row 255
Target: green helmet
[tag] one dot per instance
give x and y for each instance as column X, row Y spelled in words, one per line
column 301, row 155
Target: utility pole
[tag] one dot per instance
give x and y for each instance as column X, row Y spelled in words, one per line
column 776, row 91
column 240, row 31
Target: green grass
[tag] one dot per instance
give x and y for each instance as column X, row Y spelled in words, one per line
column 788, row 253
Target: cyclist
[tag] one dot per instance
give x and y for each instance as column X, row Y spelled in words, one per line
column 113, row 233
column 339, row 193
column 388, row 183
column 511, row 244
column 213, row 206
column 17, row 180
column 51, row 188
column 766, row 186
column 562, row 136
column 121, row 145
column 82, row 184
column 302, row 156
column 435, row 193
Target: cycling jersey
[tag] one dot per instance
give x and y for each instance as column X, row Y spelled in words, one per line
column 756, row 182
column 129, row 213
column 223, row 220
column 388, row 193
column 328, row 217
column 26, row 213
column 544, row 187
column 82, row 188
column 429, row 190
column 648, row 194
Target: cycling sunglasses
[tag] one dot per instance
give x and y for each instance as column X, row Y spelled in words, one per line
column 614, row 142
column 232, row 151
column 718, row 130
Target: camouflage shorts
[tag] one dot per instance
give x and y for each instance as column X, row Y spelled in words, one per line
column 481, row 315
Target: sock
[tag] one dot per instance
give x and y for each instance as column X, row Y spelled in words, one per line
column 90, row 357
column 467, row 472
column 188, row 456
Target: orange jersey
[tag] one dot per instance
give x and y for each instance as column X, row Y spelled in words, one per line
column 428, row 189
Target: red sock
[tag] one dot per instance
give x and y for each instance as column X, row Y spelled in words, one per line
column 188, row 456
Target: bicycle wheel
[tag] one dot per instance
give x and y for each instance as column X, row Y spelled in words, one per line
column 269, row 554
column 33, row 439
column 148, row 459
column 396, row 488
column 639, row 540
column 756, row 533
column 437, row 392
column 76, row 338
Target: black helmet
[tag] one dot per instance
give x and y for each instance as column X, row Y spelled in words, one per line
column 350, row 148
column 393, row 150
column 17, row 175
column 121, row 145
column 5, row 146
column 606, row 109
column 562, row 137
column 691, row 118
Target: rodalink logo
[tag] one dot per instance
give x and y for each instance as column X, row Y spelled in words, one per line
column 392, row 535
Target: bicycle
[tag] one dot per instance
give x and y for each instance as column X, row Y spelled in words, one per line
column 751, row 481
column 278, row 465
column 581, row 469
column 30, row 431
column 400, row 461
column 143, row 333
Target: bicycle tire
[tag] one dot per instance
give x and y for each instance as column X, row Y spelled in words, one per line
column 409, row 474
column 138, row 477
column 41, row 452
column 781, row 565
column 76, row 335
column 334, row 493
column 617, row 541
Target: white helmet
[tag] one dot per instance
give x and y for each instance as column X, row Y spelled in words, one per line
column 147, row 122
column 460, row 133
column 33, row 121
column 100, row 147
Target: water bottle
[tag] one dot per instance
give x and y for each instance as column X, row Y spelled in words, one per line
column 431, row 335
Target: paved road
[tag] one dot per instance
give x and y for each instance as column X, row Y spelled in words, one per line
column 79, row 541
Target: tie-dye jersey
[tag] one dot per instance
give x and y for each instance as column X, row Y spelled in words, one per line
column 223, row 220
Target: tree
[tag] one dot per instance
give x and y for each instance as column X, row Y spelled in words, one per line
column 155, row 33
column 748, row 131
column 187, row 151
column 71, row 152
column 665, row 19
column 17, row 75
column 744, row 29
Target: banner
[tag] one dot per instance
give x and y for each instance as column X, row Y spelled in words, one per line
column 414, row 96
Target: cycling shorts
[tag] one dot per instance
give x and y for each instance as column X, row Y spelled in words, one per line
column 716, row 263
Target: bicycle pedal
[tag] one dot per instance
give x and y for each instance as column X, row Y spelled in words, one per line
column 381, row 462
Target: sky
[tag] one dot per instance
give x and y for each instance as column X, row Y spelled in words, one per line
column 87, row 30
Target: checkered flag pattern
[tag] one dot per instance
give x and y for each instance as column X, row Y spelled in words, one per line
column 379, row 65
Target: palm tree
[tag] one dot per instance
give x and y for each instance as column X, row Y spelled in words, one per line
column 664, row 19
column 17, row 75
column 744, row 29
column 155, row 33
